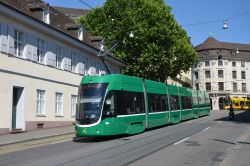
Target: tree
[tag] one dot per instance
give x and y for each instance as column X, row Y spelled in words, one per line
column 160, row 47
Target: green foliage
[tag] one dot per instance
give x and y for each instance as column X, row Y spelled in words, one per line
column 160, row 47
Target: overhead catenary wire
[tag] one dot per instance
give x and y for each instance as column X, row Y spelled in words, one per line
column 86, row 4
column 219, row 20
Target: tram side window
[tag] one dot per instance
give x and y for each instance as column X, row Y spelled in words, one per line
column 139, row 103
column 130, row 103
column 151, row 102
column 110, row 105
column 157, row 103
column 241, row 103
column 186, row 102
column 164, row 101
column 175, row 104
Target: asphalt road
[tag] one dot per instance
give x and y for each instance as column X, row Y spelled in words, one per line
column 204, row 141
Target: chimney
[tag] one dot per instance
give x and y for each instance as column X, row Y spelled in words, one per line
column 80, row 33
column 46, row 15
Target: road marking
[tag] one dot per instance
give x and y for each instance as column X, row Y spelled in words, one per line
column 219, row 122
column 181, row 141
column 61, row 141
column 207, row 128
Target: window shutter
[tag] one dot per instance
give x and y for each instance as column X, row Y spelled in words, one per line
column 80, row 68
column 50, row 54
column 4, row 38
column 65, row 59
column 11, row 49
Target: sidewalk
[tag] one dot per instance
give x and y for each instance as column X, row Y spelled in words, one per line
column 35, row 134
column 240, row 153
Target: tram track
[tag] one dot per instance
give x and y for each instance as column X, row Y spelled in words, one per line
column 126, row 150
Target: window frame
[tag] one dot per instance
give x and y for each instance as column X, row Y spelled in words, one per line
column 40, row 103
column 59, row 57
column 220, row 73
column 73, row 105
column 207, row 73
column 18, row 43
column 40, row 50
column 59, row 105
column 243, row 75
column 234, row 74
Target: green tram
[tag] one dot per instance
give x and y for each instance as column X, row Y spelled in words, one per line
column 118, row 104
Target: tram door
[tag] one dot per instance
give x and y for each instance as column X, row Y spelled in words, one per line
column 221, row 103
column 17, row 121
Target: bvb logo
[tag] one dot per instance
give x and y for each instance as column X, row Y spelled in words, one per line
column 84, row 130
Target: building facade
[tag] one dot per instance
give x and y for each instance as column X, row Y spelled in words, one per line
column 43, row 57
column 223, row 70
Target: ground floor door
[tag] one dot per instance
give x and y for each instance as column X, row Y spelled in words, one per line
column 17, row 121
column 211, row 104
column 221, row 103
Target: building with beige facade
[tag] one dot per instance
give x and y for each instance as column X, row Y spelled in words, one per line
column 43, row 57
column 223, row 70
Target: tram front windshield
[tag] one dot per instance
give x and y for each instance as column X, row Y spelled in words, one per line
column 90, row 103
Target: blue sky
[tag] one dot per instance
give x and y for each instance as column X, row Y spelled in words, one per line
column 198, row 11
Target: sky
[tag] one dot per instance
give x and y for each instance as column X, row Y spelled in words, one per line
column 187, row 12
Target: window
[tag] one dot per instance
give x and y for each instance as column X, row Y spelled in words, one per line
column 59, row 57
column 221, row 86
column 186, row 102
column 40, row 50
column 242, row 64
column 219, row 57
column 207, row 74
column 196, row 74
column 175, row 104
column 220, row 74
column 40, row 103
column 243, row 75
column 73, row 61
column 234, row 64
column 132, row 103
column 197, row 86
column 73, row 105
column 220, row 63
column 18, row 43
column 59, row 104
column 208, row 86
column 158, row 103
column 244, row 88
column 234, row 74
column 235, row 87
column 207, row 63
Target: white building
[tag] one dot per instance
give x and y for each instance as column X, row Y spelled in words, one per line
column 222, row 69
column 43, row 57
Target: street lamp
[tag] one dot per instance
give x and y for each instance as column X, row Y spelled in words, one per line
column 225, row 26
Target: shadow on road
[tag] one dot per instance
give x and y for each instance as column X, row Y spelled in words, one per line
column 240, row 117
column 100, row 139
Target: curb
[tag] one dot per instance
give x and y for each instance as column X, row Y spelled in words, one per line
column 36, row 138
